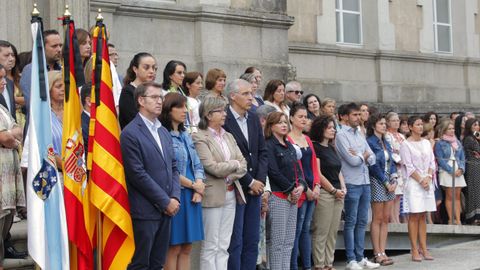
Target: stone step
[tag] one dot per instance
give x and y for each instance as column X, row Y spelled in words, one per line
column 19, row 239
column 438, row 235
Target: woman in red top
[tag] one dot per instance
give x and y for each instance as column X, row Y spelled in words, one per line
column 311, row 173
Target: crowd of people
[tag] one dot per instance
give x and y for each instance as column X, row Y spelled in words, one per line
column 261, row 181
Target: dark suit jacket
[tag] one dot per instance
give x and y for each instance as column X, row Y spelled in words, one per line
column 151, row 178
column 85, row 125
column 253, row 151
column 11, row 92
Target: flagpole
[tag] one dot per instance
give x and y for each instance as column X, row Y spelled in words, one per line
column 99, row 215
column 35, row 13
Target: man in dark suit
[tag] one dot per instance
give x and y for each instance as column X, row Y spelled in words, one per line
column 152, row 179
column 7, row 60
column 246, row 129
column 85, row 95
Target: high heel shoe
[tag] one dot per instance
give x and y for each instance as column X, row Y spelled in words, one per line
column 426, row 255
column 416, row 256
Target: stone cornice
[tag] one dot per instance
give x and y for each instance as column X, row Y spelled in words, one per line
column 324, row 49
column 166, row 10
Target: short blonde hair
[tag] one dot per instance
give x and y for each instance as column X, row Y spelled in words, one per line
column 53, row 76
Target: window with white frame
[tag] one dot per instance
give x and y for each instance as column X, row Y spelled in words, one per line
column 442, row 26
column 349, row 21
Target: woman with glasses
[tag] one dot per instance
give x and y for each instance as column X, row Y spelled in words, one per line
column 224, row 164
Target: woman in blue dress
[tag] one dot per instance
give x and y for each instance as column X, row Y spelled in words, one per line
column 186, row 226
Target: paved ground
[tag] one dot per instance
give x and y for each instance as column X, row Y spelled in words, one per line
column 465, row 256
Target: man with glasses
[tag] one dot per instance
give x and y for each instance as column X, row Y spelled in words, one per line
column 293, row 92
column 152, row 178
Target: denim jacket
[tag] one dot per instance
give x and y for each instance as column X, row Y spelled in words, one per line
column 377, row 170
column 442, row 154
column 181, row 154
column 283, row 166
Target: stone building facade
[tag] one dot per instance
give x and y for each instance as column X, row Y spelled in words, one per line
column 395, row 53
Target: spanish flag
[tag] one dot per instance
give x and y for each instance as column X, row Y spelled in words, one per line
column 108, row 186
column 80, row 222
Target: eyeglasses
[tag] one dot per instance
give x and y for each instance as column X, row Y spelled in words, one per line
column 154, row 97
column 297, row 92
column 218, row 110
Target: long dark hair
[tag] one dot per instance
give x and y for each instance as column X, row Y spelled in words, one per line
column 172, row 100
column 468, row 127
column 458, row 125
column 372, row 121
column 319, row 125
column 169, row 70
column 131, row 76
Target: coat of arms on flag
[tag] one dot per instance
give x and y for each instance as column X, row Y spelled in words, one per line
column 74, row 164
column 46, row 177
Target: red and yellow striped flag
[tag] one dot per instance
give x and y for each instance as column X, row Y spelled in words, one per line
column 80, row 222
column 108, row 186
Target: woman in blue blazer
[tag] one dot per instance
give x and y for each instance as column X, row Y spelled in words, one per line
column 383, row 182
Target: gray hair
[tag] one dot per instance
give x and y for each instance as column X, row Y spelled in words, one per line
column 290, row 86
column 209, row 104
column 390, row 115
column 249, row 77
column 234, row 87
column 264, row 110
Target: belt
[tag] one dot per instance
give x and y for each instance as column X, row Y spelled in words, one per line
column 230, row 187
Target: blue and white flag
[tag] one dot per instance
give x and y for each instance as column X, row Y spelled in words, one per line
column 47, row 228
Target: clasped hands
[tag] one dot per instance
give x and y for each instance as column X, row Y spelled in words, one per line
column 256, row 188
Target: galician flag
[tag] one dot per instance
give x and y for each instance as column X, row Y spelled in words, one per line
column 47, row 227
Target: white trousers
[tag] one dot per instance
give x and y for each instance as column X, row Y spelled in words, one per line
column 218, row 227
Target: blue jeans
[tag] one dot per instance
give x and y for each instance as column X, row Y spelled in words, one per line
column 303, row 238
column 357, row 202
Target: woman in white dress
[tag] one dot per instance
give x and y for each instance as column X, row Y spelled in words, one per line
column 418, row 166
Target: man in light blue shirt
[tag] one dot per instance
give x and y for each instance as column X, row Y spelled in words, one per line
column 356, row 156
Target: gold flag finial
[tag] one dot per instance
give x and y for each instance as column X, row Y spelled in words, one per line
column 67, row 13
column 99, row 16
column 35, row 12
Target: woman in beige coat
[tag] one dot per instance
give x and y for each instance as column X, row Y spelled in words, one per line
column 224, row 165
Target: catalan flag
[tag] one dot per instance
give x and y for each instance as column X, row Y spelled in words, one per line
column 79, row 210
column 47, row 228
column 108, row 186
